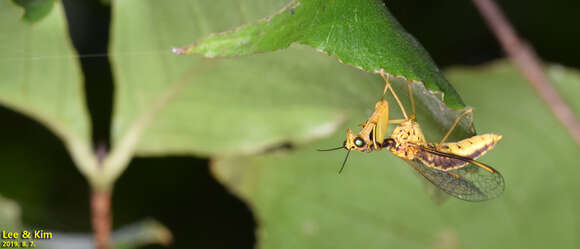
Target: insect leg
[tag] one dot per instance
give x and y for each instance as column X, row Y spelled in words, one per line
column 412, row 99
column 397, row 121
column 388, row 85
column 465, row 112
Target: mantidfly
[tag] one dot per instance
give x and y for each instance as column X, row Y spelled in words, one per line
column 450, row 166
column 372, row 135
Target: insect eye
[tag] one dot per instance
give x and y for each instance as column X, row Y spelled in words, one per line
column 359, row 142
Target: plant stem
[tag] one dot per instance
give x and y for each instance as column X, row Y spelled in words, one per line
column 101, row 205
column 101, row 218
column 525, row 58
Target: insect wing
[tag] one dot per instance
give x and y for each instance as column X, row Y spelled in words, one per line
column 470, row 183
column 436, row 194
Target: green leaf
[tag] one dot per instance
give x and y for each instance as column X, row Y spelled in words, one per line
column 41, row 78
column 359, row 33
column 136, row 235
column 35, row 10
column 9, row 215
column 567, row 82
column 378, row 201
column 167, row 104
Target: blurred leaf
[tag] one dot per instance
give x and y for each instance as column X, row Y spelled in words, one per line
column 135, row 235
column 9, row 215
column 377, row 202
column 189, row 105
column 359, row 33
column 35, row 10
column 567, row 82
column 143, row 233
column 41, row 78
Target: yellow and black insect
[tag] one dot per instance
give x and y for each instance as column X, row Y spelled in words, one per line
column 450, row 166
column 372, row 135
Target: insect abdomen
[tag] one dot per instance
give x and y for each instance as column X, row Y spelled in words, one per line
column 440, row 162
column 472, row 147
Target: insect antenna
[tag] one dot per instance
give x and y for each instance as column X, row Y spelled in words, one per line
column 331, row 149
column 344, row 163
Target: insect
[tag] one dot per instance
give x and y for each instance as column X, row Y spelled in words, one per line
column 450, row 166
column 372, row 135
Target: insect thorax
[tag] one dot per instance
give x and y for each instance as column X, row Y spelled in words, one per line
column 407, row 136
column 409, row 132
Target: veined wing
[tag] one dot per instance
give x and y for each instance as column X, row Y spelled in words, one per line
column 470, row 183
column 436, row 194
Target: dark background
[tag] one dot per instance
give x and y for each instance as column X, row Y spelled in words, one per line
column 179, row 191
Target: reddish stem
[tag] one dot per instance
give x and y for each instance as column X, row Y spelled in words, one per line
column 527, row 61
column 101, row 218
